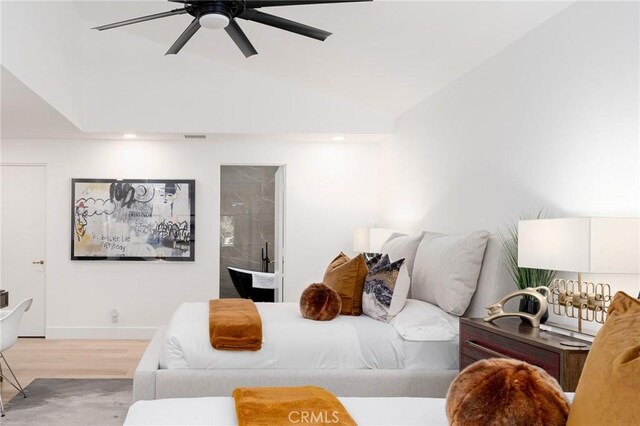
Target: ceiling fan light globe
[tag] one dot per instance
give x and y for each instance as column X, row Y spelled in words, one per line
column 214, row 21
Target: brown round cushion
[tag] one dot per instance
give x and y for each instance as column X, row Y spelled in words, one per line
column 505, row 392
column 320, row 302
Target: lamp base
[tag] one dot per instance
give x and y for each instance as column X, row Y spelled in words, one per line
column 584, row 301
column 568, row 331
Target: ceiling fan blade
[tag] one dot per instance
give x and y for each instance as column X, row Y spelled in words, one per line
column 240, row 39
column 254, row 4
column 141, row 19
column 193, row 27
column 284, row 24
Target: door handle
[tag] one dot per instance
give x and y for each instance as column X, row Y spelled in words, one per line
column 38, row 262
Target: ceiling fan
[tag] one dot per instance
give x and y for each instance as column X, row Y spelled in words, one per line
column 218, row 14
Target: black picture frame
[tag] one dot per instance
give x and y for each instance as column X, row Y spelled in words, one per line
column 127, row 219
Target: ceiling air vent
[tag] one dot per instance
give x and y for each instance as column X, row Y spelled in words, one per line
column 195, row 136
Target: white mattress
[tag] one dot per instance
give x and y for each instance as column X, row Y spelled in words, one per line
column 290, row 341
column 221, row 411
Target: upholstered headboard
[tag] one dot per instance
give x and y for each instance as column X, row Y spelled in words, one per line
column 494, row 282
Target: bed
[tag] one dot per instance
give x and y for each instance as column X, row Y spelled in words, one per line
column 349, row 356
column 346, row 342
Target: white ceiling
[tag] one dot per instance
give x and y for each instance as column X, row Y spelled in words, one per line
column 25, row 114
column 388, row 55
column 383, row 58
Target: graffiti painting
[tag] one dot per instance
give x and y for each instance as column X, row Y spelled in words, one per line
column 115, row 219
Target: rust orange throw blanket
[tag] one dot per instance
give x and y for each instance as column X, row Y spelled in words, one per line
column 306, row 405
column 234, row 325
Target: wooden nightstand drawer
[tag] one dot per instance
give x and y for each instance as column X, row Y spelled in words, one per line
column 480, row 344
column 509, row 338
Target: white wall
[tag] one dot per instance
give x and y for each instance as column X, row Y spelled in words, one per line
column 326, row 200
column 551, row 121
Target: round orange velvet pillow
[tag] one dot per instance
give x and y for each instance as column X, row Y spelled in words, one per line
column 320, row 302
column 505, row 392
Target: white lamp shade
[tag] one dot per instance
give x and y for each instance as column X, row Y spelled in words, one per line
column 591, row 245
column 370, row 240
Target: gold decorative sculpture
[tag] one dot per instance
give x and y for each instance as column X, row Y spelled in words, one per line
column 496, row 311
column 579, row 299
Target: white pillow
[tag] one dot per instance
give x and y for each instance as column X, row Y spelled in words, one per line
column 424, row 322
column 400, row 246
column 447, row 268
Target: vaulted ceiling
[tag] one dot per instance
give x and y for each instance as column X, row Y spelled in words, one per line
column 383, row 58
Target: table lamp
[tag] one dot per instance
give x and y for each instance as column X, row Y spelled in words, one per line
column 582, row 245
column 369, row 240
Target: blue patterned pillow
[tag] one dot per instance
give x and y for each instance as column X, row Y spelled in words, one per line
column 379, row 287
column 373, row 260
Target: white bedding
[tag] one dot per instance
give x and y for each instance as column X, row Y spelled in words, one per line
column 221, row 411
column 290, row 341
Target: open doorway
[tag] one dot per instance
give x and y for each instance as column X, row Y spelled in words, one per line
column 252, row 232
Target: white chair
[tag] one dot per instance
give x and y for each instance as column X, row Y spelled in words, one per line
column 9, row 325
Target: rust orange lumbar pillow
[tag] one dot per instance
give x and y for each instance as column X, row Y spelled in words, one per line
column 346, row 276
column 320, row 303
column 608, row 392
column 505, row 392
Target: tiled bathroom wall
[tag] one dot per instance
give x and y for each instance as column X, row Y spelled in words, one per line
column 247, row 217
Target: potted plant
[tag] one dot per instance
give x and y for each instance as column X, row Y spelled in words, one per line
column 524, row 277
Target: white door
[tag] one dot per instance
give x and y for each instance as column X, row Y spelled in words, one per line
column 22, row 268
column 278, row 268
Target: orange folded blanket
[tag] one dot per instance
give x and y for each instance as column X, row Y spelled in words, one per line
column 234, row 325
column 308, row 405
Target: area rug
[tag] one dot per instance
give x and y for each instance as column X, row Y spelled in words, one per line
column 82, row 402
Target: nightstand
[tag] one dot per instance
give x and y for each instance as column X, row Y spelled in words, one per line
column 510, row 338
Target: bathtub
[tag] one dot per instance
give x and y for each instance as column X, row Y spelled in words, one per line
column 254, row 285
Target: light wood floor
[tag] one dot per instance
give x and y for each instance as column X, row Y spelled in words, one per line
column 71, row 359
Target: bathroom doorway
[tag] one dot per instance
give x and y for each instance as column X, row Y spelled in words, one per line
column 252, row 232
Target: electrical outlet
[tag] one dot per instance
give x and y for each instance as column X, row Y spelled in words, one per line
column 114, row 315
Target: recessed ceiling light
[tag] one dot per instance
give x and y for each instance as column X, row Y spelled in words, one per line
column 337, row 138
column 130, row 136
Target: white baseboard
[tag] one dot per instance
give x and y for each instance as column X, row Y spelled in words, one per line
column 103, row 333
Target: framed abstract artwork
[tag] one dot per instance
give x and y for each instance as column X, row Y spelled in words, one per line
column 133, row 219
